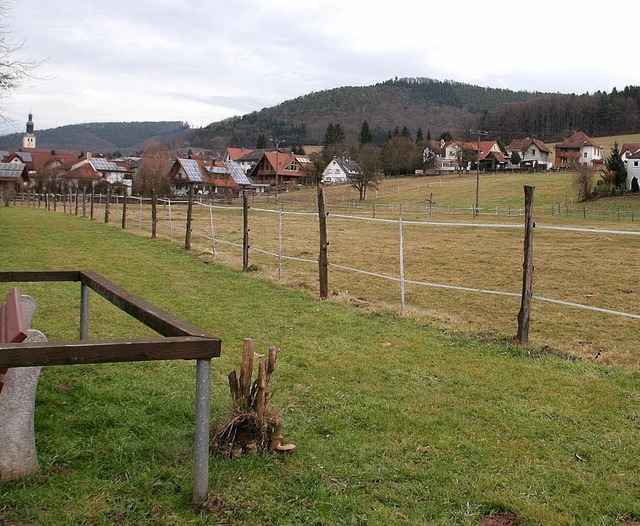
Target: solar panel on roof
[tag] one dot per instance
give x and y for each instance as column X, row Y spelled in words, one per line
column 192, row 170
column 237, row 173
column 102, row 165
column 11, row 170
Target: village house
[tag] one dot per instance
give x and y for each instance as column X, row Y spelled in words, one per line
column 13, row 176
column 281, row 167
column 340, row 170
column 533, row 153
column 578, row 149
column 92, row 170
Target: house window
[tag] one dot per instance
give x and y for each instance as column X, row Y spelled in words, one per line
column 635, row 163
column 585, row 155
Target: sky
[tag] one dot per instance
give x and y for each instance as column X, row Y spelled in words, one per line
column 201, row 61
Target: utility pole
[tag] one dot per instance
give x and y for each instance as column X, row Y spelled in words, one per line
column 478, row 133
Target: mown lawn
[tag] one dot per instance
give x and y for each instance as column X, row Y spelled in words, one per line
column 395, row 421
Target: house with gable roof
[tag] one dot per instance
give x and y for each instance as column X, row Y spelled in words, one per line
column 280, row 167
column 92, row 170
column 340, row 170
column 533, row 153
column 578, row 149
column 12, row 177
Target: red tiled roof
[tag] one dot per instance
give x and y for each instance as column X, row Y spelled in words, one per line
column 236, row 153
column 577, row 141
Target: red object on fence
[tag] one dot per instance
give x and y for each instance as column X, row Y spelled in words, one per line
column 12, row 328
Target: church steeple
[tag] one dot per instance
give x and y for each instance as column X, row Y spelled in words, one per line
column 29, row 139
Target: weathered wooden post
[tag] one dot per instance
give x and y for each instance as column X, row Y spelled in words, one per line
column 245, row 232
column 124, row 207
column 323, row 258
column 107, row 204
column 154, row 214
column 187, row 238
column 402, row 283
column 527, row 269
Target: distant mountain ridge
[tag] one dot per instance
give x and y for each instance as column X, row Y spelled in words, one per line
column 105, row 137
column 431, row 105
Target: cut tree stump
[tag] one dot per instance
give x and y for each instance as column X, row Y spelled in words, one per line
column 252, row 425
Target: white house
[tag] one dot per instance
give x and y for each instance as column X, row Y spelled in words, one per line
column 340, row 170
column 578, row 149
column 633, row 170
column 532, row 152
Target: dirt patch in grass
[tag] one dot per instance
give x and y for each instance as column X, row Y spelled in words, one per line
column 504, row 518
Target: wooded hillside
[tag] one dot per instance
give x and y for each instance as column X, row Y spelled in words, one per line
column 106, row 137
column 432, row 105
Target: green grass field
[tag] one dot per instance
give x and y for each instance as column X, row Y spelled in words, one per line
column 396, row 420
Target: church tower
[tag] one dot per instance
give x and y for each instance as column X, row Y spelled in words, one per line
column 29, row 139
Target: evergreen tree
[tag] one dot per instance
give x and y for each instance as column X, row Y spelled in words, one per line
column 405, row 132
column 428, row 135
column 419, row 135
column 333, row 135
column 366, row 136
column 446, row 136
column 262, row 142
column 616, row 167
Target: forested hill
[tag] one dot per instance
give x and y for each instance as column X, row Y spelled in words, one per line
column 106, row 137
column 432, row 105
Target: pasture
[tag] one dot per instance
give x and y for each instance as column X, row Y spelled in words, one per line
column 459, row 256
column 397, row 421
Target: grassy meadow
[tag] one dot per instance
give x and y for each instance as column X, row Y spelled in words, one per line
column 397, row 420
column 584, row 267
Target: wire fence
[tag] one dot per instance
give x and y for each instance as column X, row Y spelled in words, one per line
column 281, row 238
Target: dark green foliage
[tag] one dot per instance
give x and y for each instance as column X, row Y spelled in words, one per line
column 515, row 158
column 419, row 135
column 616, row 167
column 333, row 135
column 446, row 136
column 634, row 185
column 365, row 133
column 262, row 143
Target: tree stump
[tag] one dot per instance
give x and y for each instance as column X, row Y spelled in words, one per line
column 252, row 424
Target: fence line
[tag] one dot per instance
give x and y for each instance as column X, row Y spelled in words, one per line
column 171, row 203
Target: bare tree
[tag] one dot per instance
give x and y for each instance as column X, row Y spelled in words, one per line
column 583, row 182
column 14, row 71
column 153, row 169
column 368, row 158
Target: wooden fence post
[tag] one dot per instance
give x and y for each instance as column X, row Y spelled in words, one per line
column 124, row 207
column 106, row 204
column 403, row 306
column 527, row 269
column 154, row 213
column 91, row 199
column 323, row 259
column 245, row 233
column 187, row 236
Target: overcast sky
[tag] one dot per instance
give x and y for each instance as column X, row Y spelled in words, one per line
column 201, row 61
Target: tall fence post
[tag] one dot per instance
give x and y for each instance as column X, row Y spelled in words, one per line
column 402, row 287
column 124, row 207
column 245, row 232
column 187, row 236
column 170, row 221
column 323, row 258
column 107, row 204
column 154, row 214
column 527, row 269
column 213, row 232
column 280, row 215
